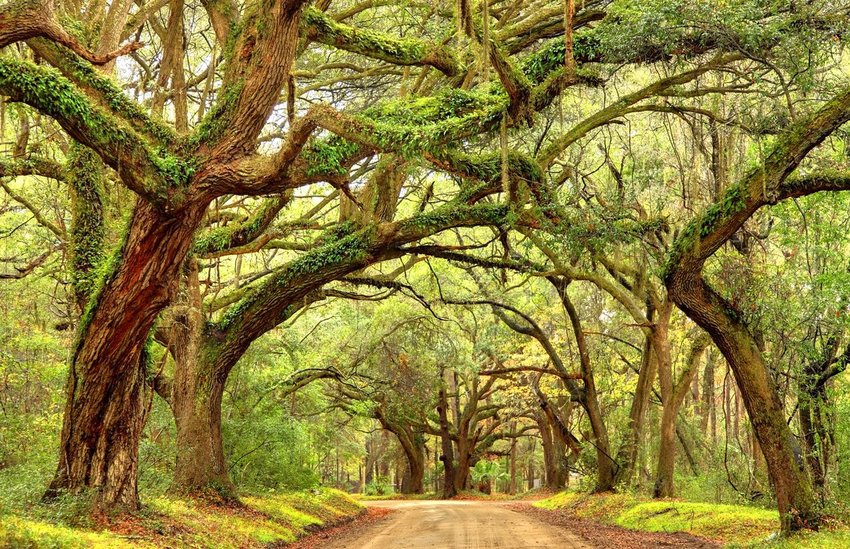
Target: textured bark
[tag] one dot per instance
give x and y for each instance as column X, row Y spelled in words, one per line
column 27, row 19
column 413, row 445
column 195, row 399
column 201, row 468
column 107, row 393
column 413, row 482
column 554, row 456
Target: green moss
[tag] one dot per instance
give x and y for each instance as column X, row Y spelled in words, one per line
column 237, row 233
column 346, row 250
column 216, row 122
column 85, row 185
column 377, row 45
column 538, row 66
column 328, row 156
column 454, row 215
column 55, row 96
column 119, row 103
column 732, row 202
column 101, row 277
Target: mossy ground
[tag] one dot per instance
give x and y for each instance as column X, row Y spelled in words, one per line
column 265, row 519
column 735, row 525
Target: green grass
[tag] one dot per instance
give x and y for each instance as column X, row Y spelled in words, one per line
column 726, row 523
column 729, row 523
column 831, row 539
column 265, row 519
column 25, row 532
column 735, row 525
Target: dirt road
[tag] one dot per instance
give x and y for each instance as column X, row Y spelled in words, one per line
column 455, row 525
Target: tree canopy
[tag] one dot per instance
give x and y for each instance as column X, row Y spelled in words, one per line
column 280, row 242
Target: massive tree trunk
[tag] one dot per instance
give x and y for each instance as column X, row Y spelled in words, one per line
column 413, row 480
column 557, row 441
column 194, row 395
column 412, row 443
column 107, row 392
column 550, row 457
column 791, row 482
column 201, row 467
column 726, row 325
column 196, row 402
column 465, row 460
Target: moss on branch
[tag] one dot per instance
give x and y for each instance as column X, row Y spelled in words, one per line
column 149, row 172
column 399, row 51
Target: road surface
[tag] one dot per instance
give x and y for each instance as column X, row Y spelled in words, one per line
column 436, row 524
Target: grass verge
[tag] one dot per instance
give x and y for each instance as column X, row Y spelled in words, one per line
column 264, row 520
column 735, row 525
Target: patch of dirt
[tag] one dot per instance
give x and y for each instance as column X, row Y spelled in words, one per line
column 613, row 537
column 346, row 528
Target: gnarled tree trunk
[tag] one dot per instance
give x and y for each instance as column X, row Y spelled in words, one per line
column 107, row 393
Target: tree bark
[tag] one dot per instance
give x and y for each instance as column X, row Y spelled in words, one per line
column 628, row 453
column 664, row 487
column 606, row 467
column 725, row 324
column 448, row 458
column 107, row 392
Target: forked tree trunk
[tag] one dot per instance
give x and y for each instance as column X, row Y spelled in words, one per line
column 107, row 391
column 627, row 455
column 606, row 467
column 448, row 458
column 195, row 399
column 554, row 454
column 664, row 487
column 413, row 480
column 413, row 445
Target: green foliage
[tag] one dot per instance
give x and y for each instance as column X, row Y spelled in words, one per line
column 32, row 365
column 381, row 486
column 488, row 471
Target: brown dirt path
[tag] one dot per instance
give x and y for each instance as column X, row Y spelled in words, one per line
column 454, row 524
